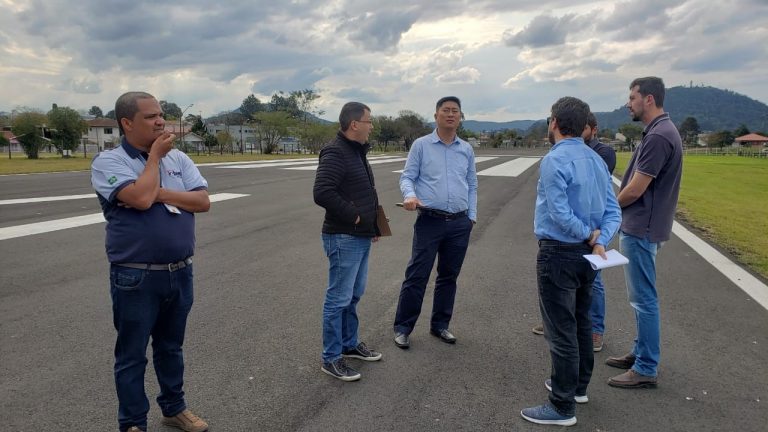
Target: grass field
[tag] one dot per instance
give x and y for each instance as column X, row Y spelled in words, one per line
column 19, row 164
column 726, row 198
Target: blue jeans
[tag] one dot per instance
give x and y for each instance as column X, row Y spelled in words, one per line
column 446, row 240
column 640, row 275
column 347, row 275
column 149, row 303
column 565, row 296
column 597, row 310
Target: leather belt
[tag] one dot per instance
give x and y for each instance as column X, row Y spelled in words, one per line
column 441, row 214
column 560, row 244
column 172, row 267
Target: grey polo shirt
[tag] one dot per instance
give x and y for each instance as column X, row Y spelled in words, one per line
column 659, row 155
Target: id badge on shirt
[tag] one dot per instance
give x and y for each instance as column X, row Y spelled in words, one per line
column 172, row 208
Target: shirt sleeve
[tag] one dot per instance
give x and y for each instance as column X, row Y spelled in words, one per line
column 653, row 156
column 109, row 174
column 191, row 176
column 411, row 171
column 611, row 221
column 472, row 184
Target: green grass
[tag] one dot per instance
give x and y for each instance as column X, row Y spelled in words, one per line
column 19, row 164
column 726, row 198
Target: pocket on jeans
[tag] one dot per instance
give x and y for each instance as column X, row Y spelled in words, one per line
column 127, row 279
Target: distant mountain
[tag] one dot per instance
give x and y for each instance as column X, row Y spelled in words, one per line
column 489, row 126
column 713, row 108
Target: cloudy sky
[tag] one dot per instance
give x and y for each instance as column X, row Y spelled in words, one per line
column 506, row 59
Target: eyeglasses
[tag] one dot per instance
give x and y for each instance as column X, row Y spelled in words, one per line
column 549, row 120
column 364, row 121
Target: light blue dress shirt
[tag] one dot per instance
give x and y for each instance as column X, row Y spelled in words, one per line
column 442, row 177
column 575, row 195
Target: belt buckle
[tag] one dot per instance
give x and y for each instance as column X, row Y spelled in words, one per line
column 172, row 267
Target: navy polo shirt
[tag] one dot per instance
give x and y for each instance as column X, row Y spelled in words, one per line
column 659, row 155
column 154, row 235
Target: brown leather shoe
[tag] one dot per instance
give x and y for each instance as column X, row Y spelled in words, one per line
column 624, row 362
column 632, row 379
column 186, row 421
column 597, row 342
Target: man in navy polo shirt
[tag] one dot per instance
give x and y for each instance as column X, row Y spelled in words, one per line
column 648, row 198
column 149, row 193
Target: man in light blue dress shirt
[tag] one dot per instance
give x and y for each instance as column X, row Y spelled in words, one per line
column 440, row 182
column 576, row 214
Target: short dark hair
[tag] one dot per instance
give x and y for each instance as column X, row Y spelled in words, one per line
column 653, row 86
column 447, row 99
column 351, row 111
column 592, row 120
column 127, row 107
column 571, row 114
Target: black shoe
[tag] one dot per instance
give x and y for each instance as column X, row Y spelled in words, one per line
column 401, row 340
column 339, row 369
column 363, row 353
column 444, row 335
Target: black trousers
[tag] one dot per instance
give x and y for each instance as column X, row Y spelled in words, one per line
column 565, row 296
column 433, row 237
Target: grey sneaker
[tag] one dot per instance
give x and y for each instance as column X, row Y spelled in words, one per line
column 339, row 369
column 539, row 329
column 546, row 414
column 362, row 352
column 580, row 399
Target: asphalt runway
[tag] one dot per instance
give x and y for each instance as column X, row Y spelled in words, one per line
column 254, row 336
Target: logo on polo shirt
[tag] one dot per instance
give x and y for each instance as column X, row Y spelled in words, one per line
column 172, row 173
column 112, row 180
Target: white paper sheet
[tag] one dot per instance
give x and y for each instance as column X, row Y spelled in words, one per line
column 614, row 259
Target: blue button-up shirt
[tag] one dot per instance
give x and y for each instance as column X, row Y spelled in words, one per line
column 575, row 195
column 441, row 176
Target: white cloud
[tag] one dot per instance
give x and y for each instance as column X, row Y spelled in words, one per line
column 506, row 59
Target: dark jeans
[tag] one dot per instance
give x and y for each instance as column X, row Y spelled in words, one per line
column 149, row 303
column 565, row 296
column 433, row 237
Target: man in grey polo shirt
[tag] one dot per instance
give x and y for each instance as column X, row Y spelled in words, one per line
column 648, row 198
column 149, row 193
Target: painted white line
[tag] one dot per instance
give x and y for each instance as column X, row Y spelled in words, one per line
column 372, row 162
column 267, row 165
column 46, row 199
column 78, row 221
column 740, row 277
column 477, row 161
column 512, row 168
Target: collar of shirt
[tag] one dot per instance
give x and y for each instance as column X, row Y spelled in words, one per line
column 569, row 141
column 132, row 151
column 654, row 122
column 436, row 138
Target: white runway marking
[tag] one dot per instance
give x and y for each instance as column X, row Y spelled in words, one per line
column 46, row 199
column 370, row 161
column 740, row 277
column 512, row 168
column 78, row 221
column 478, row 159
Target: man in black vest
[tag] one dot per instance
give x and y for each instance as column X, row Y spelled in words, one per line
column 344, row 186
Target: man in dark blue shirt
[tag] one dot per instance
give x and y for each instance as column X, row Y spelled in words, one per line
column 648, row 198
column 149, row 193
column 576, row 214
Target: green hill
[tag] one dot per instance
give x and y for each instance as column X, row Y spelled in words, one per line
column 713, row 108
